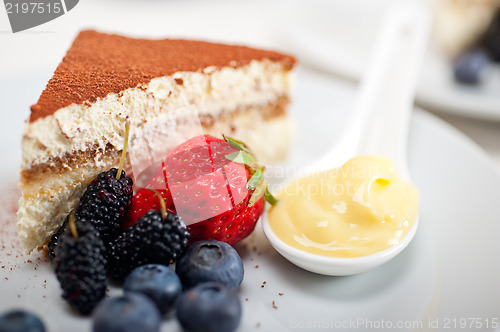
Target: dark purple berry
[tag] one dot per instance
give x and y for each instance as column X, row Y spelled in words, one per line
column 469, row 66
column 131, row 312
column 105, row 203
column 210, row 260
column 81, row 267
column 150, row 240
column 158, row 282
column 54, row 240
column 209, row 307
column 20, row 321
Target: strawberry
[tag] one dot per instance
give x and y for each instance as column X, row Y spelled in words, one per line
column 146, row 200
column 214, row 185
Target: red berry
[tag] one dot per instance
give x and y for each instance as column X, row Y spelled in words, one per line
column 207, row 189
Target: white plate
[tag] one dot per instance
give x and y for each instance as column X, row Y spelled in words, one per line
column 337, row 36
column 448, row 274
column 438, row 90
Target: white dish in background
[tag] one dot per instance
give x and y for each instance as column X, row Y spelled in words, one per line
column 337, row 36
column 439, row 91
column 449, row 272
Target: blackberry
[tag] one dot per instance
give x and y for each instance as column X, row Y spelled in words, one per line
column 491, row 38
column 152, row 239
column 105, row 203
column 54, row 240
column 81, row 267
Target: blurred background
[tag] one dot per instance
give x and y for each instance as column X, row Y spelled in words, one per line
column 332, row 37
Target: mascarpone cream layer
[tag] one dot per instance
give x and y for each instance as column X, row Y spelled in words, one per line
column 79, row 127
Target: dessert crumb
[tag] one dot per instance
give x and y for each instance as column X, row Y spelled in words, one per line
column 274, row 305
column 256, row 266
column 246, row 299
column 280, row 294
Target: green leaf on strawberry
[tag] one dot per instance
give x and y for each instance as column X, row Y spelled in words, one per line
column 241, row 157
column 258, row 192
column 237, row 144
column 255, row 179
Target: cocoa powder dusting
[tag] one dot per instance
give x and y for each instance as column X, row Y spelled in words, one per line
column 98, row 64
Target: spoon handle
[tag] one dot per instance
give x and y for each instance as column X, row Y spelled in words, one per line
column 386, row 123
column 379, row 120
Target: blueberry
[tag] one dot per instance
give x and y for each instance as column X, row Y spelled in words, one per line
column 130, row 312
column 20, row 321
column 470, row 66
column 210, row 261
column 209, row 307
column 158, row 282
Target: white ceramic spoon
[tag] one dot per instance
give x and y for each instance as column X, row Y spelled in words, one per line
column 378, row 125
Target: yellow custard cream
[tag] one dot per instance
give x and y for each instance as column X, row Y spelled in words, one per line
column 358, row 209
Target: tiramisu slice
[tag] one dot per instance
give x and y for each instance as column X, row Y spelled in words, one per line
column 76, row 129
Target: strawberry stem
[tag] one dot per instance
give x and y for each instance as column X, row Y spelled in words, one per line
column 72, row 225
column 124, row 152
column 162, row 203
column 269, row 197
